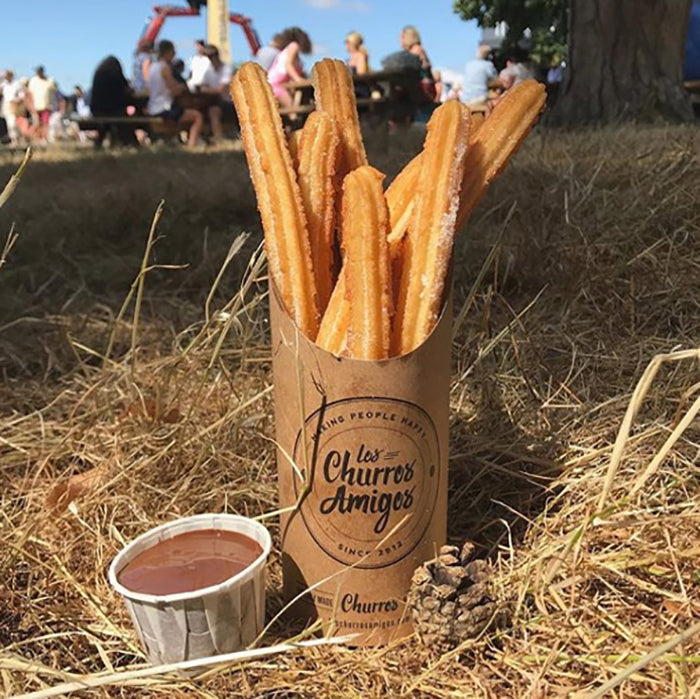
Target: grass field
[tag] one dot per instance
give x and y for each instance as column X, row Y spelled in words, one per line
column 161, row 396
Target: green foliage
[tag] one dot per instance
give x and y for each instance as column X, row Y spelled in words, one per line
column 546, row 19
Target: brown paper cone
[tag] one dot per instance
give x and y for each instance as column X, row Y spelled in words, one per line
column 362, row 463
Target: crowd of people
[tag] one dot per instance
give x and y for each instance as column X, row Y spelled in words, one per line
column 35, row 110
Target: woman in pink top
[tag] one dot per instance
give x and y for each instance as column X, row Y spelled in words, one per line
column 287, row 64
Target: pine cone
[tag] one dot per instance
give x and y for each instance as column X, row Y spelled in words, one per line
column 450, row 598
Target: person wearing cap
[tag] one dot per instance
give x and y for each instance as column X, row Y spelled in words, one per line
column 198, row 65
column 41, row 90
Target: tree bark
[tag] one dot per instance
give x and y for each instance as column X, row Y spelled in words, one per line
column 625, row 61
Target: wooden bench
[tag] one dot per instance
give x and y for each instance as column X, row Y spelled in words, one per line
column 693, row 87
column 394, row 94
column 152, row 124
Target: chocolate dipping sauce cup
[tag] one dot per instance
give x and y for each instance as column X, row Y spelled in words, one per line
column 219, row 619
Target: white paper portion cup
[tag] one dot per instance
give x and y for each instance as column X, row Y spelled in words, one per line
column 219, row 619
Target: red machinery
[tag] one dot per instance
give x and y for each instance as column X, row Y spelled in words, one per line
column 162, row 12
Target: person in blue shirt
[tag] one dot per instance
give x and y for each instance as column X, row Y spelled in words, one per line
column 477, row 74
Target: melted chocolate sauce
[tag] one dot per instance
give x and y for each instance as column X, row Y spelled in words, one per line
column 189, row 561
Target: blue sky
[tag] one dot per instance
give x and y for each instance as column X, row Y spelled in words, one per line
column 71, row 36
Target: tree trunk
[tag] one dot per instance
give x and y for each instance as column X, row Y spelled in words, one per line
column 625, row 61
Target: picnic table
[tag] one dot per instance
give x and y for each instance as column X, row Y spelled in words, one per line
column 384, row 95
column 154, row 125
column 391, row 94
column 693, row 88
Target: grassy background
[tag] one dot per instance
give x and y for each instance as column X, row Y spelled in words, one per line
column 596, row 272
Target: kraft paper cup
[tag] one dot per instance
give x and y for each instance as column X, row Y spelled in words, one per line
column 362, row 473
column 218, row 619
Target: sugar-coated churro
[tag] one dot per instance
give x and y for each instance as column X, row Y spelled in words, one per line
column 478, row 118
column 333, row 333
column 503, row 132
column 279, row 198
column 318, row 161
column 428, row 245
column 497, row 139
column 334, row 94
column 293, row 143
column 399, row 199
column 365, row 224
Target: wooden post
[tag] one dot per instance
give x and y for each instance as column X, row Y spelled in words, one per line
column 218, row 28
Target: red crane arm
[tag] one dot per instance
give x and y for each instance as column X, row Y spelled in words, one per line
column 247, row 25
column 162, row 12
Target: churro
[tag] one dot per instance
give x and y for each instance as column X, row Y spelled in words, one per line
column 428, row 245
column 399, row 199
column 316, row 170
column 333, row 333
column 503, row 132
column 497, row 139
column 365, row 222
column 334, row 94
column 478, row 118
column 293, row 143
column 278, row 195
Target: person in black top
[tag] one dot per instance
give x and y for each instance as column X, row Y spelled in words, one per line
column 110, row 95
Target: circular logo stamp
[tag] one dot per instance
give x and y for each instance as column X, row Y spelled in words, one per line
column 368, row 477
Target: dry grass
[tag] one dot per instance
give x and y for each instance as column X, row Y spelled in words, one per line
column 596, row 273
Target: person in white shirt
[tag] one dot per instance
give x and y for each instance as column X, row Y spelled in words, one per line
column 215, row 82
column 41, row 89
column 199, row 64
column 477, row 75
column 12, row 97
column 163, row 89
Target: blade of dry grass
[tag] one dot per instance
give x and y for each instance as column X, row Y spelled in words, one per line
column 10, row 187
column 131, row 677
column 658, row 652
column 640, row 393
column 141, row 280
column 9, row 244
column 476, row 285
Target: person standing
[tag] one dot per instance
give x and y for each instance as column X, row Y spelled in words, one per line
column 555, row 77
column 56, row 128
column 12, row 96
column 478, row 73
column 40, row 88
column 163, row 91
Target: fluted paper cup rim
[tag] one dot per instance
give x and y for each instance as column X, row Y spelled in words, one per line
column 202, row 521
